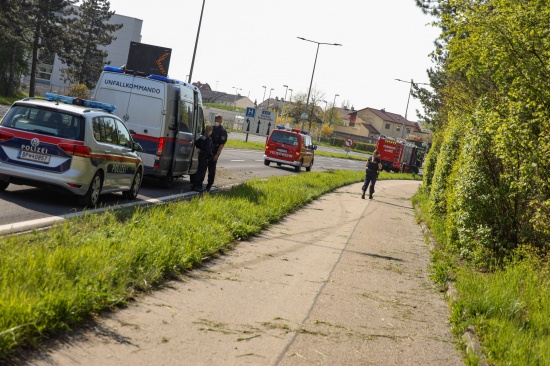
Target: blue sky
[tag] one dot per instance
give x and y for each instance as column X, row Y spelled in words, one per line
column 248, row 44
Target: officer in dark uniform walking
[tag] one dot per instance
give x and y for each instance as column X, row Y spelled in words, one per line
column 219, row 138
column 373, row 167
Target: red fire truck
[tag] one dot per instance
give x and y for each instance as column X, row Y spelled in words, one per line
column 397, row 155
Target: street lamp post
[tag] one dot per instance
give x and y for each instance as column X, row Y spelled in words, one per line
column 313, row 73
column 264, row 93
column 408, row 99
column 333, row 106
column 196, row 43
column 236, row 92
column 268, row 98
column 284, row 100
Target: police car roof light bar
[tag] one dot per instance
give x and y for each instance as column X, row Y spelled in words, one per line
column 113, row 69
column 78, row 101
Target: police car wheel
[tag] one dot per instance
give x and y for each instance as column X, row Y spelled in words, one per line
column 134, row 190
column 3, row 185
column 266, row 162
column 91, row 198
column 298, row 168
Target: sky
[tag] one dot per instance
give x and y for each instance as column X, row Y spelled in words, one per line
column 248, row 44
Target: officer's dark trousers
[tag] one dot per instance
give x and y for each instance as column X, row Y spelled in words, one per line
column 211, row 172
column 370, row 178
column 198, row 177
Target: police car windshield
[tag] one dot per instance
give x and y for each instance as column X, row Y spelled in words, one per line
column 284, row 138
column 45, row 121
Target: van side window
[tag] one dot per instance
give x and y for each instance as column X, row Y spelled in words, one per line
column 201, row 119
column 183, row 122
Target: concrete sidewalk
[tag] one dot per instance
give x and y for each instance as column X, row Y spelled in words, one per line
column 343, row 281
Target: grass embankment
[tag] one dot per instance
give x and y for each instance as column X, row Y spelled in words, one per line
column 508, row 307
column 9, row 100
column 55, row 279
column 252, row 145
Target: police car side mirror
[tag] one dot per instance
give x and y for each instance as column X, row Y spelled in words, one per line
column 136, row 147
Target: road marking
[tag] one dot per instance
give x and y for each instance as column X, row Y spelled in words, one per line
column 237, row 160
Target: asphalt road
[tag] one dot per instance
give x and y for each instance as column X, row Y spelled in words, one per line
column 22, row 203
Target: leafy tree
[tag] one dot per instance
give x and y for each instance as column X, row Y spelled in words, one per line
column 333, row 117
column 89, row 31
column 13, row 49
column 47, row 21
column 492, row 75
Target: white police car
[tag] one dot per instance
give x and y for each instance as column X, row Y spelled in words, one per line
column 69, row 145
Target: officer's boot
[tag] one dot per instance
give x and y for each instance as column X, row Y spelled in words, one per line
column 363, row 195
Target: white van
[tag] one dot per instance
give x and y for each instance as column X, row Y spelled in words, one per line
column 164, row 115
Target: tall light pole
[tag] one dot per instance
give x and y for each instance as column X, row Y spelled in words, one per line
column 313, row 73
column 290, row 95
column 325, row 115
column 408, row 99
column 333, row 106
column 263, row 101
column 236, row 92
column 284, row 100
column 268, row 98
column 196, row 43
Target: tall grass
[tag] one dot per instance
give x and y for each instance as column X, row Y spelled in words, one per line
column 55, row 279
column 508, row 307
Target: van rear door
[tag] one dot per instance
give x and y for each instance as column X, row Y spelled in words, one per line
column 188, row 129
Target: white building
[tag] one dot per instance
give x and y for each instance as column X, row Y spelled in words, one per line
column 48, row 77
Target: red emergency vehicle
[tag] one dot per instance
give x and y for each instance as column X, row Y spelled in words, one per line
column 397, row 155
column 286, row 146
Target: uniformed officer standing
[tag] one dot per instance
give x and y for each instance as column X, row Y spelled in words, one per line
column 204, row 144
column 373, row 167
column 219, row 138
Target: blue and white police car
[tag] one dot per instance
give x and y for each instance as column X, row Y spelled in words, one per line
column 69, row 145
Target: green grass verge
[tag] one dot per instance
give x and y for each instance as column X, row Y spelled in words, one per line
column 509, row 308
column 239, row 144
column 54, row 279
column 9, row 100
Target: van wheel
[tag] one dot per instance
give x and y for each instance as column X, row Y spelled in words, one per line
column 298, row 168
column 166, row 182
column 308, row 169
column 3, row 185
column 91, row 198
column 266, row 162
column 134, row 190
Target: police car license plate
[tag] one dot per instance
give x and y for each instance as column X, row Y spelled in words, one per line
column 280, row 149
column 37, row 158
